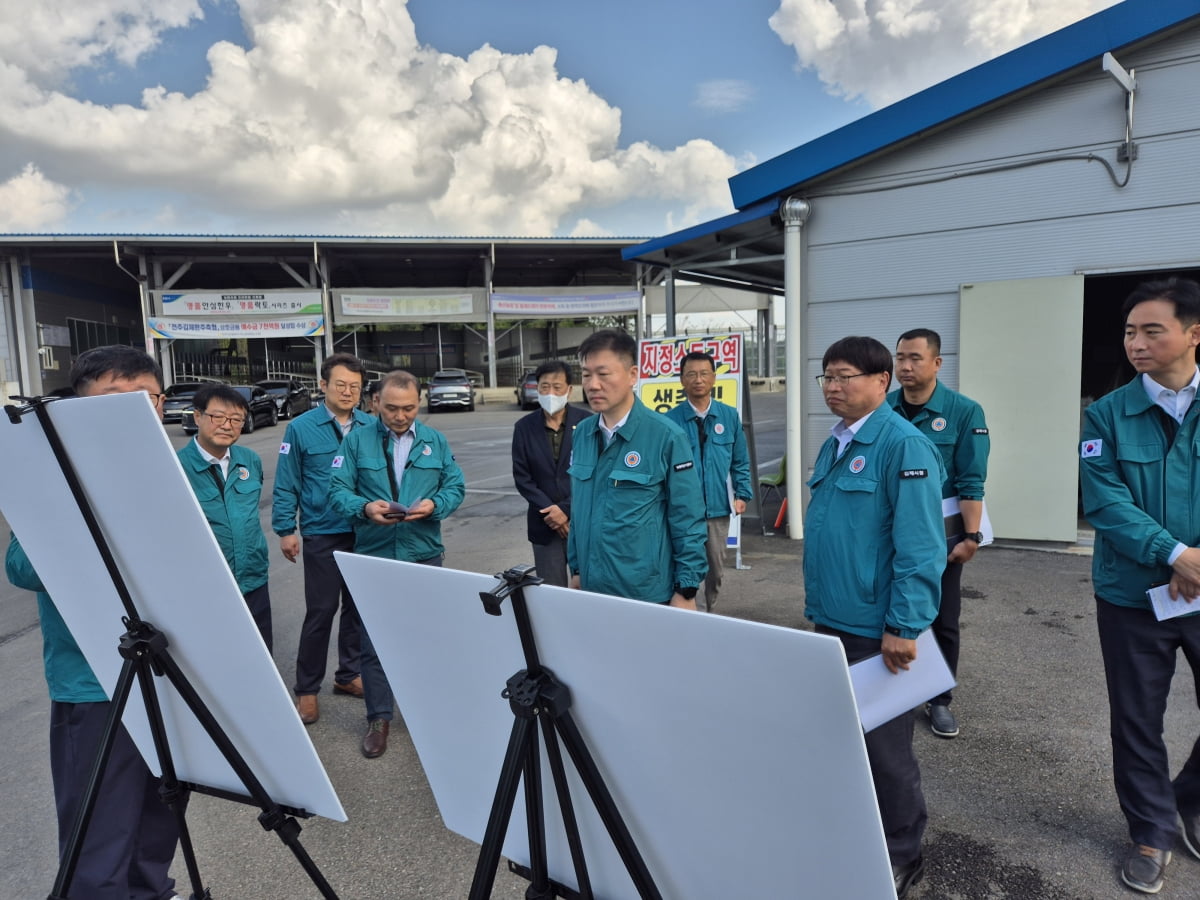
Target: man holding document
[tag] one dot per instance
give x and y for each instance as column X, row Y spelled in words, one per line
column 1141, row 492
column 956, row 426
column 875, row 547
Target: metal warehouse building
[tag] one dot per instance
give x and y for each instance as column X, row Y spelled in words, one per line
column 1011, row 208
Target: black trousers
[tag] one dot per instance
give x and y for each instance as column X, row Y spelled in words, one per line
column 131, row 840
column 258, row 601
column 1139, row 663
column 945, row 626
column 894, row 769
column 324, row 590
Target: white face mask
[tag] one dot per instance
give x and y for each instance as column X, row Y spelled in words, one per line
column 552, row 403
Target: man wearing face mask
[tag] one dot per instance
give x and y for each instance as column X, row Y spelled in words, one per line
column 541, row 454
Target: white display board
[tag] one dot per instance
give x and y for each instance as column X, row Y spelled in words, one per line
column 180, row 583
column 732, row 749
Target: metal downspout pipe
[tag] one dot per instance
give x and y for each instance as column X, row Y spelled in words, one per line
column 795, row 212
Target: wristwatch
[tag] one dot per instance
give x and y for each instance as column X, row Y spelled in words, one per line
column 976, row 536
column 687, row 593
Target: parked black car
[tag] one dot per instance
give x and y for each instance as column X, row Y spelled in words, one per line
column 527, row 392
column 178, row 397
column 292, row 396
column 263, row 410
column 450, row 389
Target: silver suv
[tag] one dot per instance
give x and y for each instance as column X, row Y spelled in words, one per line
column 449, row 389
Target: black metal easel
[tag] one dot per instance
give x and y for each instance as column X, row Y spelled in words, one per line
column 535, row 694
column 145, row 652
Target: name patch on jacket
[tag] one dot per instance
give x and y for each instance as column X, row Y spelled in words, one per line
column 680, row 467
column 914, row 473
column 979, row 431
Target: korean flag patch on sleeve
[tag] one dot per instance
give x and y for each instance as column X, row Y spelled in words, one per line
column 1089, row 449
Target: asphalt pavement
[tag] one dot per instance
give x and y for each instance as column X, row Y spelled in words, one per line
column 1021, row 803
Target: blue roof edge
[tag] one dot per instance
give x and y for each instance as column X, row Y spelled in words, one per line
column 1046, row 57
column 741, row 217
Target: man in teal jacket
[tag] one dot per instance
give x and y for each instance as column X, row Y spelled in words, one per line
column 395, row 481
column 637, row 513
column 957, row 428
column 714, row 431
column 302, row 487
column 131, row 842
column 1140, row 474
column 228, row 481
column 874, row 551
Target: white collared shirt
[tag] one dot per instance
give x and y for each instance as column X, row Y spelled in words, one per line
column 333, row 418
column 1176, row 403
column 699, row 414
column 223, row 461
column 401, row 447
column 845, row 433
column 609, row 432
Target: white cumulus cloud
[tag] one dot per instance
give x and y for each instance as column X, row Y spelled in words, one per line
column 884, row 50
column 337, row 118
column 723, row 95
column 31, row 202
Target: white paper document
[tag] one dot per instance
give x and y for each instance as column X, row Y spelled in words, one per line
column 881, row 696
column 950, row 508
column 1166, row 608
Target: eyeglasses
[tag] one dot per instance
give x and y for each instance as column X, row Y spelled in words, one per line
column 344, row 387
column 559, row 389
column 154, row 398
column 219, row 420
column 703, row 374
column 840, row 380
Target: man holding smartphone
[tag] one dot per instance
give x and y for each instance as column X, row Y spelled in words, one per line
column 394, row 482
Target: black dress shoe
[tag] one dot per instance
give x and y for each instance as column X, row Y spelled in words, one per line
column 1144, row 867
column 908, row 875
column 375, row 742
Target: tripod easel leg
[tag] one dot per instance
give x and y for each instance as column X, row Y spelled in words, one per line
column 506, row 794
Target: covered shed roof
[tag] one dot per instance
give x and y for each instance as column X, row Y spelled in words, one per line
column 753, row 234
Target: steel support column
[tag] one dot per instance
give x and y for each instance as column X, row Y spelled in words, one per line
column 795, row 212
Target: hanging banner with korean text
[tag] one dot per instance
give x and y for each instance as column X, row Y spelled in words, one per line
column 241, row 303
column 190, row 329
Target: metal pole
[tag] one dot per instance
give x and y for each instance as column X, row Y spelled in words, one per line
column 488, row 268
column 795, row 212
column 669, row 298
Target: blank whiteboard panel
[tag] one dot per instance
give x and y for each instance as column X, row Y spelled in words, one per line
column 733, row 749
column 179, row 581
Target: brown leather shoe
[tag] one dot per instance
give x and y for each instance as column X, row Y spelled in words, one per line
column 375, row 741
column 353, row 687
column 306, row 705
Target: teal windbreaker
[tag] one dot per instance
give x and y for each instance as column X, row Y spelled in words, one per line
column 724, row 454
column 1138, row 493
column 303, row 471
column 362, row 473
column 874, row 539
column 637, row 516
column 231, row 508
column 68, row 675
column 956, row 425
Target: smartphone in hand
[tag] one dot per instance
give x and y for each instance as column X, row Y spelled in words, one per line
column 396, row 511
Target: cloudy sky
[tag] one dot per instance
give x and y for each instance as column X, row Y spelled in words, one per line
column 447, row 117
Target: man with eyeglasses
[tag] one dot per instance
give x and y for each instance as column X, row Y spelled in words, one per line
column 227, row 480
column 714, row 430
column 128, row 850
column 874, row 551
column 541, row 451
column 301, row 488
column 956, row 426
